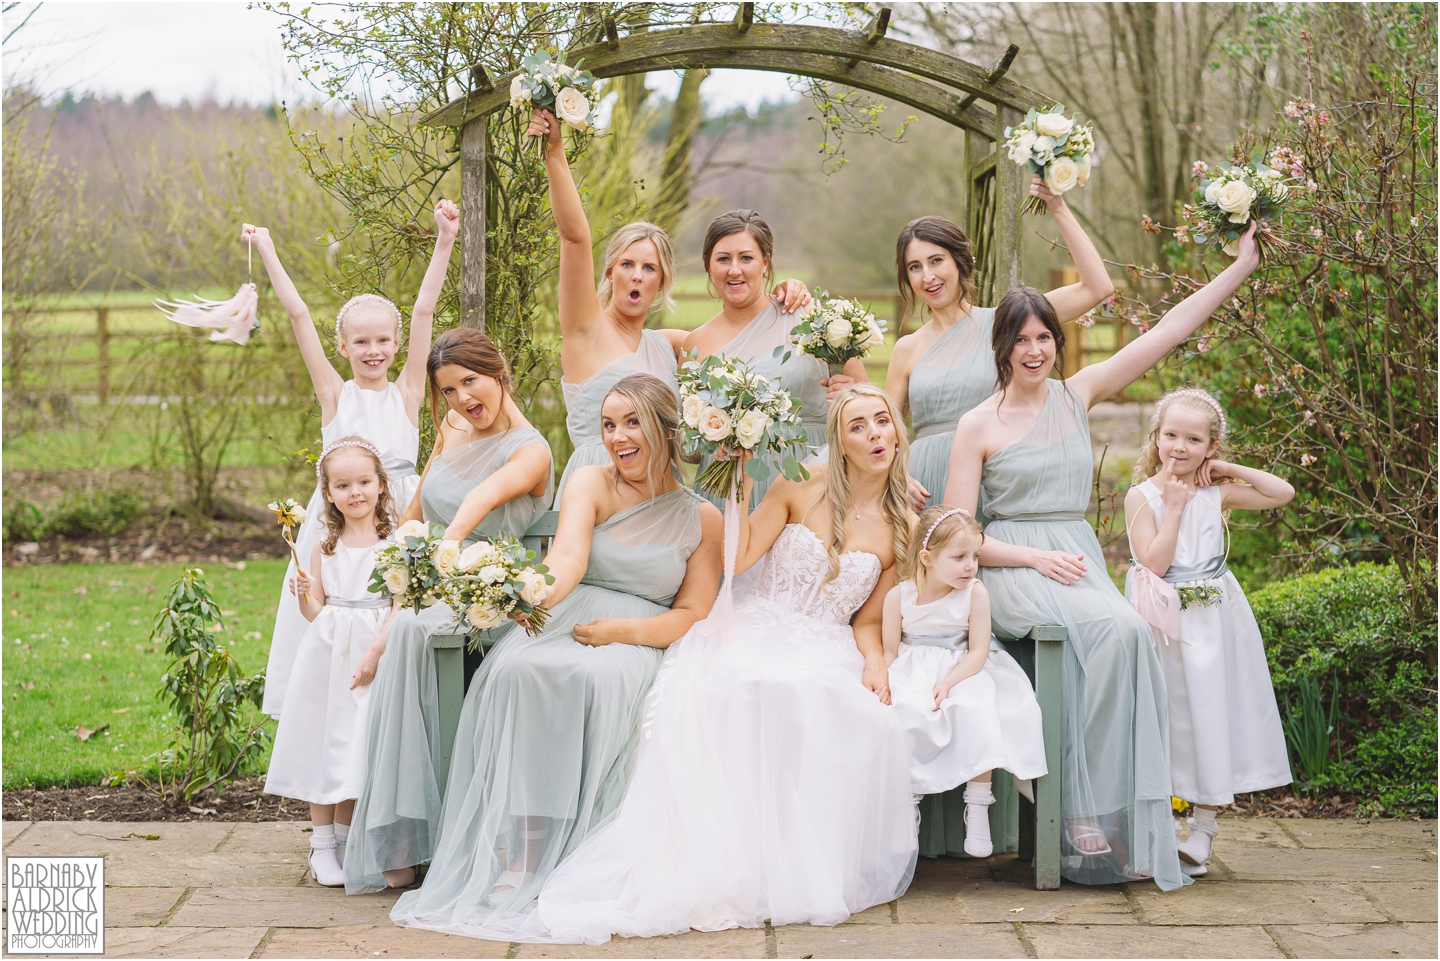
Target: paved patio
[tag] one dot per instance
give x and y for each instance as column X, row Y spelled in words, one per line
column 1277, row 888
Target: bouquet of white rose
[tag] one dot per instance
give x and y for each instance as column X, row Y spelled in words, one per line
column 1056, row 147
column 490, row 582
column 836, row 330
column 406, row 569
column 549, row 85
column 728, row 410
column 1229, row 197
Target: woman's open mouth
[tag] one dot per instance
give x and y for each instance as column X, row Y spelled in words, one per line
column 933, row 290
column 1033, row 365
column 627, row 455
column 879, row 450
column 634, row 296
column 475, row 411
column 736, row 284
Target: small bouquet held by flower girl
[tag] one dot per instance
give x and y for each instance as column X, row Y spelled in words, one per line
column 290, row 515
column 545, row 84
column 1056, row 147
column 406, row 569
column 1229, row 197
column 836, row 330
column 491, row 582
column 728, row 410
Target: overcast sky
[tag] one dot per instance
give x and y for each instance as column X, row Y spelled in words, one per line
column 194, row 51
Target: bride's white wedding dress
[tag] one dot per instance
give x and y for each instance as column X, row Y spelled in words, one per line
column 769, row 784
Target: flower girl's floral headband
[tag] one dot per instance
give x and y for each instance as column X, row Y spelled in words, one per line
column 925, row 544
column 359, row 301
column 1195, row 394
column 331, row 448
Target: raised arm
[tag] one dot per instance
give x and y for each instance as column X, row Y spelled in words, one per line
column 1107, row 378
column 1152, row 545
column 1258, row 490
column 411, row 379
column 758, row 531
column 692, row 602
column 579, row 304
column 526, row 471
column 323, row 377
column 1076, row 299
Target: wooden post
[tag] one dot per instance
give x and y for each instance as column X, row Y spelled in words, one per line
column 102, row 348
column 472, row 222
column 1011, row 187
column 1049, row 652
column 450, row 684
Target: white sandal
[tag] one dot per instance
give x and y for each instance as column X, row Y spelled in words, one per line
column 1078, row 830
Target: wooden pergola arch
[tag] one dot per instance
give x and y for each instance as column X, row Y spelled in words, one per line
column 979, row 100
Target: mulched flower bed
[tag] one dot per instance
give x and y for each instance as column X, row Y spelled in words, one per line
column 176, row 541
column 242, row 801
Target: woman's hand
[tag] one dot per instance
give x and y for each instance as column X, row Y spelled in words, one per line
column 258, row 236
column 1059, row 566
column 834, row 385
column 598, row 633
column 447, row 218
column 1249, row 255
column 1053, row 201
column 791, row 295
column 877, row 678
column 543, row 124
column 918, row 494
column 365, row 670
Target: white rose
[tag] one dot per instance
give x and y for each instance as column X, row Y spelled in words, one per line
column 483, row 617
column 565, row 70
column 572, row 107
column 874, row 336
column 1062, row 175
column 751, row 428
column 447, row 555
column 1278, row 190
column 786, row 404
column 298, row 513
column 1232, row 247
column 1020, row 148
column 471, row 556
column 1053, row 125
column 1235, row 199
column 491, row 574
column 1084, row 165
column 519, row 93
column 692, row 409
column 838, row 332
column 396, row 580
column 411, row 529
column 714, row 424
column 535, row 587
column 1043, row 144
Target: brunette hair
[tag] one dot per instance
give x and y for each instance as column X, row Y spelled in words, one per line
column 1190, row 398
column 469, row 348
column 895, row 500
column 1015, row 308
column 334, row 519
column 741, row 221
column 934, row 529
column 659, row 421
column 942, row 233
column 633, row 233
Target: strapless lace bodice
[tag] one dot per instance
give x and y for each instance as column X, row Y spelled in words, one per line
column 794, row 572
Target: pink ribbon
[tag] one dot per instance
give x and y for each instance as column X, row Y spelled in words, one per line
column 1156, row 601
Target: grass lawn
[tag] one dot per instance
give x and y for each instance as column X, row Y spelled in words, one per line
column 77, row 651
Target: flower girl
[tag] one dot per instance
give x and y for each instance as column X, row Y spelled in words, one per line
column 367, row 334
column 1225, row 733
column 319, row 753
column 966, row 707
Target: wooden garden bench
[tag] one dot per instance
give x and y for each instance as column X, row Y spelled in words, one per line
column 1038, row 652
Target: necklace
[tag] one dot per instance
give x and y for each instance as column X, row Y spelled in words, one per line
column 861, row 507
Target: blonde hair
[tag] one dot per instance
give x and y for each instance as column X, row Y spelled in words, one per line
column 894, row 501
column 362, row 301
column 1190, row 398
column 659, row 421
column 936, row 527
column 334, row 519
column 633, row 233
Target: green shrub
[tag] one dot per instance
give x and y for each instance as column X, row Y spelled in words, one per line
column 109, row 513
column 1350, row 632
column 23, row 522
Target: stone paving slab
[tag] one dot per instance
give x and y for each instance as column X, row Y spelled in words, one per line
column 93, row 838
column 989, row 901
column 1360, row 834
column 226, row 869
column 738, row 943
column 282, row 907
column 1254, row 863
column 900, row 941
column 181, row 942
column 1404, row 901
column 374, row 940
column 1360, row 940
column 1112, row 941
column 1258, row 903
column 269, row 836
column 139, row 907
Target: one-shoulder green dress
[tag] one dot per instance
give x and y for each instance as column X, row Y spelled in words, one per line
column 955, row 374
column 398, row 811
column 550, row 726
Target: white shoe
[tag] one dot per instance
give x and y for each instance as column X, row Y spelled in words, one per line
column 1197, row 848
column 325, row 868
column 1193, row 870
column 977, row 831
column 340, row 854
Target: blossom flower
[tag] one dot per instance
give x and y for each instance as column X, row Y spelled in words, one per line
column 1199, row 168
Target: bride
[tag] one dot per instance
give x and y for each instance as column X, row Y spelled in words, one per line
column 771, row 779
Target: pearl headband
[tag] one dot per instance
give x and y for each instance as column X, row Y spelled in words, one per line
column 331, row 448
column 359, row 301
column 954, row 510
column 1197, row 395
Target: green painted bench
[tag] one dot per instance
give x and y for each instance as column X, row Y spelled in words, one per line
column 1038, row 652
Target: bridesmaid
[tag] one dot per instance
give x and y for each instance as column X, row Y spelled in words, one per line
column 489, row 476
column 551, row 722
column 1024, row 456
column 947, row 367
column 737, row 255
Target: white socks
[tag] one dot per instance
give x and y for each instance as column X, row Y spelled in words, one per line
column 342, row 836
column 978, row 798
column 1203, row 829
column 323, row 863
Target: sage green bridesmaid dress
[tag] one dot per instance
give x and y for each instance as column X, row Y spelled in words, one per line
column 654, row 355
column 398, row 811
column 550, row 727
column 1114, row 758
column 800, row 374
